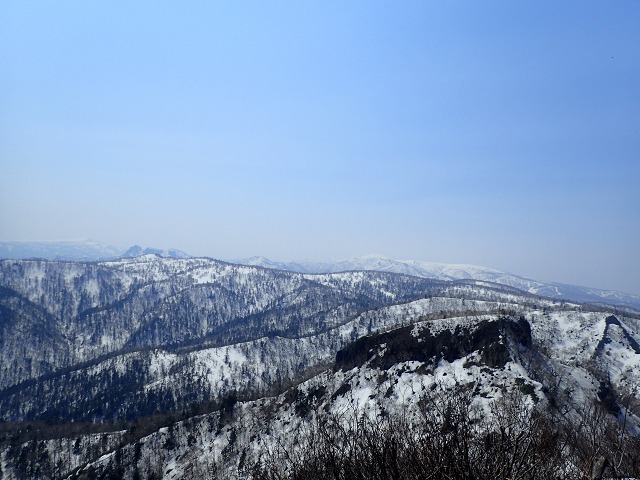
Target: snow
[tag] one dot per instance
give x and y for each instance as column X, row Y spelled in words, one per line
column 567, row 334
column 624, row 362
column 444, row 271
column 160, row 363
column 574, row 336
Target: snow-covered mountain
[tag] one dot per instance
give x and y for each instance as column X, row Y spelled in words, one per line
column 88, row 250
column 446, row 271
column 151, row 367
column 80, row 312
column 137, row 251
column 462, row 395
column 80, row 250
column 302, row 267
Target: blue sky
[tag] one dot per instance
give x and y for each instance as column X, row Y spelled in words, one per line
column 499, row 133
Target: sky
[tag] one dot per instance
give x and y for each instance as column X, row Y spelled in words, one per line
column 497, row 133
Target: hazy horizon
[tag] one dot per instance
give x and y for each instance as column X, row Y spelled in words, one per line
column 497, row 133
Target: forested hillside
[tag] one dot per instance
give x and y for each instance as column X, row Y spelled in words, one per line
column 155, row 367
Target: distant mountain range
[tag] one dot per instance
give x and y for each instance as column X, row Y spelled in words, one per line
column 75, row 250
column 450, row 271
column 137, row 251
column 88, row 250
column 79, row 251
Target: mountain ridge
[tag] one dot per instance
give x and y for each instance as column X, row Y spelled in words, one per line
column 89, row 250
column 151, row 367
column 445, row 271
column 85, row 250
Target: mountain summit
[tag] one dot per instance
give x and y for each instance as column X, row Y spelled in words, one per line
column 137, row 250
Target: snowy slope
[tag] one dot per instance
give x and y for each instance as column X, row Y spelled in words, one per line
column 527, row 362
column 166, row 346
column 444, row 271
column 54, row 315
